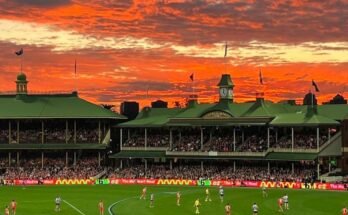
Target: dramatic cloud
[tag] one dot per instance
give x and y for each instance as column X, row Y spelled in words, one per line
column 146, row 50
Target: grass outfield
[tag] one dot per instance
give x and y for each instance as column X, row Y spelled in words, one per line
column 83, row 200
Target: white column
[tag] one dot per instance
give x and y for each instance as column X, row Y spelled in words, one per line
column 171, row 164
column 17, row 131
column 318, row 140
column 145, row 138
column 99, row 133
column 74, row 158
column 318, row 170
column 121, row 141
column 234, row 139
column 9, row 159
column 42, row 160
column 42, row 132
column 202, row 138
column 268, row 168
column 75, row 131
column 234, row 166
column 145, row 166
column 276, row 136
column 268, row 138
column 292, row 168
column 17, row 158
column 292, row 139
column 202, row 166
column 170, row 139
column 329, row 135
column 66, row 131
column 128, row 133
column 66, row 158
column 9, row 132
column 99, row 159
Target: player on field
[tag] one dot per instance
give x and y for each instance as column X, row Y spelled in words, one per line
column 344, row 211
column 255, row 209
column 13, row 207
column 196, row 205
column 58, row 201
column 143, row 195
column 101, row 207
column 228, row 209
column 207, row 195
column 178, row 196
column 152, row 199
column 221, row 193
column 264, row 191
column 280, row 204
column 286, row 201
column 7, row 211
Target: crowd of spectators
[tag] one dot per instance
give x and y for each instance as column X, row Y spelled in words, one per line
column 152, row 141
column 54, row 168
column 301, row 141
column 50, row 136
column 217, row 172
column 187, row 143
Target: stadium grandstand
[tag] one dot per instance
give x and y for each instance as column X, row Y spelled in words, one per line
column 258, row 140
column 52, row 135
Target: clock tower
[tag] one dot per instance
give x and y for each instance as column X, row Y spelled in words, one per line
column 226, row 88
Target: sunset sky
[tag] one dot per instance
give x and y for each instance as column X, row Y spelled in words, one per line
column 125, row 48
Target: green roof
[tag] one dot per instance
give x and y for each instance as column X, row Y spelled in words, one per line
column 51, row 106
column 51, row 146
column 225, row 80
column 21, row 77
column 152, row 117
column 302, row 119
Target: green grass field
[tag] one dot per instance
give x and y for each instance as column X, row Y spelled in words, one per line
column 83, row 200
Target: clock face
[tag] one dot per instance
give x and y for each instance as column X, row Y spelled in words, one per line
column 230, row 92
column 223, row 92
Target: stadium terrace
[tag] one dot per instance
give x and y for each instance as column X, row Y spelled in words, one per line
column 47, row 137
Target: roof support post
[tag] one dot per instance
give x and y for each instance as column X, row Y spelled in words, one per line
column 276, row 136
column 268, row 168
column 292, row 139
column 9, row 132
column 170, row 139
column 42, row 160
column 9, row 159
column 99, row 159
column 75, row 158
column 202, row 166
column 329, row 134
column 42, row 132
column 234, row 166
column 75, row 131
column 202, row 138
column 17, row 158
column 171, row 164
column 234, row 141
column 66, row 131
column 66, row 159
column 99, row 132
column 145, row 138
column 318, row 170
column 145, row 166
column 17, row 131
column 128, row 133
column 242, row 135
column 121, row 139
column 292, row 168
column 121, row 164
column 268, row 130
column 318, row 141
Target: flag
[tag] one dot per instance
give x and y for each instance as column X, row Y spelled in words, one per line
column 225, row 50
column 19, row 52
column 191, row 77
column 315, row 86
column 260, row 77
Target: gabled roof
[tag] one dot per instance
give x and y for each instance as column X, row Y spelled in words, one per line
column 51, row 106
column 265, row 108
column 151, row 117
column 301, row 118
